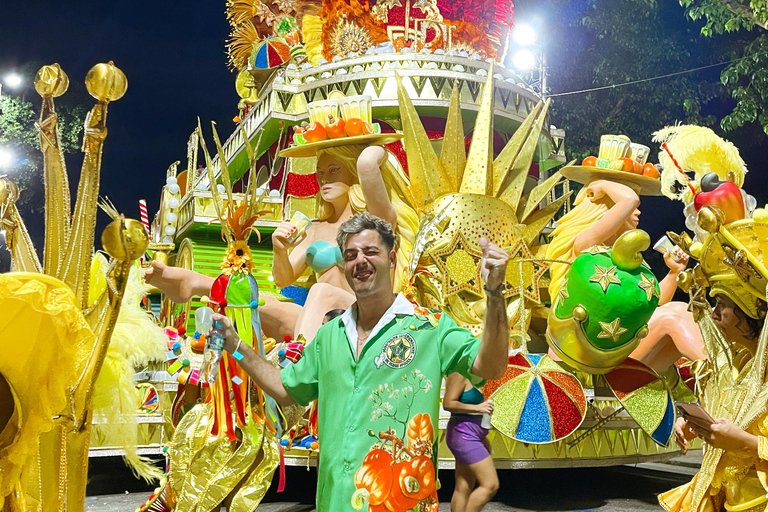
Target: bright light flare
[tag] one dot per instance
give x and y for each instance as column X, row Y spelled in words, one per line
column 523, row 60
column 6, row 158
column 13, row 80
column 524, row 35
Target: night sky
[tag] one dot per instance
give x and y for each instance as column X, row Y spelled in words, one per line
column 174, row 57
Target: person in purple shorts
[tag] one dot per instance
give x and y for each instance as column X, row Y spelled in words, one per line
column 476, row 478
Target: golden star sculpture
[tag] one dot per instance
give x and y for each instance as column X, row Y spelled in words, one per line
column 648, row 285
column 605, row 276
column 523, row 276
column 612, row 330
column 459, row 265
column 599, row 249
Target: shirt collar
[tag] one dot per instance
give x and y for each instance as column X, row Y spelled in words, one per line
column 401, row 306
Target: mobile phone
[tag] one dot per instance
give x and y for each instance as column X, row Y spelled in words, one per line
column 695, row 413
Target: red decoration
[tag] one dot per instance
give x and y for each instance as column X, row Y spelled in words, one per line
column 302, row 185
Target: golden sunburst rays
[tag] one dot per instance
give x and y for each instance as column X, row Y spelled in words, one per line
column 478, row 172
column 461, row 197
column 349, row 37
column 428, row 179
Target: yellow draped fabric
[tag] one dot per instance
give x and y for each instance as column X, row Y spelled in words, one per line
column 40, row 323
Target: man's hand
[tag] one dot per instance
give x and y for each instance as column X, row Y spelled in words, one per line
column 493, row 265
column 230, row 333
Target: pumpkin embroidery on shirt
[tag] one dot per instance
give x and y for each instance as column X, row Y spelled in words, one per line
column 398, row 473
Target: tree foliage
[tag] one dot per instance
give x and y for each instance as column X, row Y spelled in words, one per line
column 746, row 79
column 19, row 135
column 601, row 43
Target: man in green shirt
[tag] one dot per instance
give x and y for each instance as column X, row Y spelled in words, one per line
column 376, row 373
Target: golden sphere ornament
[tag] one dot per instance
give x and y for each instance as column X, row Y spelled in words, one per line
column 51, row 81
column 710, row 219
column 125, row 239
column 106, row 82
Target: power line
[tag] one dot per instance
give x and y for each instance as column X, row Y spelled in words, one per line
column 633, row 82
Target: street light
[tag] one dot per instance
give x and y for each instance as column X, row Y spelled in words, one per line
column 523, row 60
column 524, row 35
column 13, row 80
column 6, row 158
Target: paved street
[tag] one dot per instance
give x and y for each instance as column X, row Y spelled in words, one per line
column 617, row 489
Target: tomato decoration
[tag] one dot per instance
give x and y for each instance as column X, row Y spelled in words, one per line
column 335, row 127
column 416, row 477
column 315, row 132
column 376, row 475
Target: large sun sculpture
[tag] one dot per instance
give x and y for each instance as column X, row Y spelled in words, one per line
column 461, row 198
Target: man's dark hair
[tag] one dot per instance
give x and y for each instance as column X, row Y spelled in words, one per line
column 334, row 313
column 362, row 221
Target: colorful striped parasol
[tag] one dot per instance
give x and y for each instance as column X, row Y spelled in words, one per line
column 539, row 402
column 645, row 397
column 270, row 53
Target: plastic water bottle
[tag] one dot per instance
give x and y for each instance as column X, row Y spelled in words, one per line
column 214, row 344
column 486, row 421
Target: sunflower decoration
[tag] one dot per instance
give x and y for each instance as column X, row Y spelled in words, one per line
column 237, row 417
column 238, row 258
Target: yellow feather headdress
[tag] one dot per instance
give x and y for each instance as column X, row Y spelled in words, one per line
column 699, row 150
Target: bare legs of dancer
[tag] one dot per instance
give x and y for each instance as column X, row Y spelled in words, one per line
column 476, row 484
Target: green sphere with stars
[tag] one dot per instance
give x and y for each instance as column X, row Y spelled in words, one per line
column 618, row 301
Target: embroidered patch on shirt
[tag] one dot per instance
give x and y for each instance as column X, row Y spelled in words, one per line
column 398, row 351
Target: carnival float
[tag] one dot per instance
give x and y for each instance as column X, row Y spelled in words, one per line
column 470, row 151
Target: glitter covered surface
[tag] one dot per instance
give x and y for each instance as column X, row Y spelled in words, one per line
column 566, row 416
column 629, row 376
column 572, row 387
column 663, row 434
column 508, row 402
column 647, row 405
column 534, row 425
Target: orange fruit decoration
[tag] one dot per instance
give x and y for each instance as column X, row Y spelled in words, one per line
column 376, row 476
column 628, row 165
column 198, row 345
column 416, row 477
column 354, row 127
column 651, row 171
column 590, row 161
column 335, row 127
column 397, row 501
column 636, row 167
column 315, row 132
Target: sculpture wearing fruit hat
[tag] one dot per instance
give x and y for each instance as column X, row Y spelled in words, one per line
column 354, row 175
column 601, row 311
column 605, row 208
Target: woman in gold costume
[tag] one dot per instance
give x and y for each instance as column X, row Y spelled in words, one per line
column 738, row 478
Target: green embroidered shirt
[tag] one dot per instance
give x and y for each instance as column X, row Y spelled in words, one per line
column 387, row 401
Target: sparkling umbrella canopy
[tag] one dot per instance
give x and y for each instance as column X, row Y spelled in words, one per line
column 539, row 402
